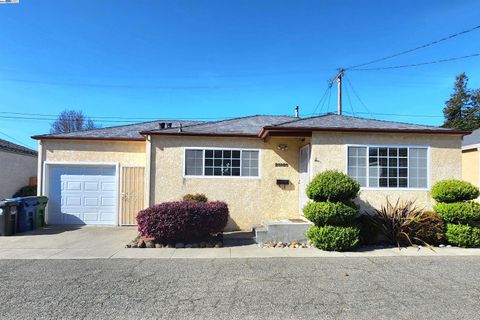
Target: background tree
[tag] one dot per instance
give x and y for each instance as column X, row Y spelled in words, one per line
column 71, row 120
column 462, row 110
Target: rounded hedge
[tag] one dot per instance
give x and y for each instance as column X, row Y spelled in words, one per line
column 454, row 191
column 332, row 186
column 463, row 236
column 334, row 238
column 331, row 213
column 459, row 212
column 182, row 220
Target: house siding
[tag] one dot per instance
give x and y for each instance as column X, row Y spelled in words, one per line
column 15, row 171
column 470, row 166
column 250, row 200
column 329, row 151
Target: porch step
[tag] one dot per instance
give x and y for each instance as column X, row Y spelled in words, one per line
column 285, row 230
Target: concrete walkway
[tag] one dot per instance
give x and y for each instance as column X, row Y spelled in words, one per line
column 88, row 242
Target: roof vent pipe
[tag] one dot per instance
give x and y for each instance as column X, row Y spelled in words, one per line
column 162, row 125
column 297, row 114
column 180, row 128
column 169, row 125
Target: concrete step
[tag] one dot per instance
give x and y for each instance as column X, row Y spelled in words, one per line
column 285, row 230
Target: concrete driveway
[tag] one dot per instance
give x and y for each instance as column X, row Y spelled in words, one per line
column 64, row 242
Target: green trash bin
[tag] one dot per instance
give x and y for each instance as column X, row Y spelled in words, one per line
column 8, row 217
column 40, row 212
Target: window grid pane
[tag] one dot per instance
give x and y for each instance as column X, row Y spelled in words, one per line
column 357, row 164
column 224, row 162
column 388, row 167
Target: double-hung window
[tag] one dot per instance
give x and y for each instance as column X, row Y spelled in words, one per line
column 388, row 166
column 221, row 162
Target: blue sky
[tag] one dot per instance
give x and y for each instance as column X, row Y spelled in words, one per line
column 216, row 59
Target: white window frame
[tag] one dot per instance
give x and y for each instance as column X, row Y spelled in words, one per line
column 203, row 176
column 408, row 169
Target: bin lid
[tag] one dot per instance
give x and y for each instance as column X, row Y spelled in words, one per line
column 8, row 203
column 42, row 199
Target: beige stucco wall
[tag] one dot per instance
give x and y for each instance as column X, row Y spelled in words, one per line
column 125, row 153
column 250, row 200
column 470, row 166
column 329, row 152
column 15, row 171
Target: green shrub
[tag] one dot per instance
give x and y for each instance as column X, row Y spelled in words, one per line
column 463, row 236
column 454, row 191
column 459, row 212
column 26, row 191
column 197, row 197
column 331, row 213
column 334, row 238
column 332, row 186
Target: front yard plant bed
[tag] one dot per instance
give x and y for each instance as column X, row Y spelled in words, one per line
column 192, row 224
column 295, row 244
column 144, row 242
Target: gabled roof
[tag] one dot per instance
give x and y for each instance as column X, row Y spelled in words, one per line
column 334, row 122
column 472, row 139
column 124, row 132
column 258, row 126
column 8, row 146
column 242, row 126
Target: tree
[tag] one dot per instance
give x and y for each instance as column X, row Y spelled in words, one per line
column 462, row 110
column 71, row 120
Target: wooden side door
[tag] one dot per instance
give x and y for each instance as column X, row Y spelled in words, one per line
column 132, row 196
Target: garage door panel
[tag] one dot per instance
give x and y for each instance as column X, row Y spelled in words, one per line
column 85, row 195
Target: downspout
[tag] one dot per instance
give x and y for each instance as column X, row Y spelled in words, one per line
column 148, row 169
column 40, row 168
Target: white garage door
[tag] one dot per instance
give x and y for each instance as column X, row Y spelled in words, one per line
column 82, row 195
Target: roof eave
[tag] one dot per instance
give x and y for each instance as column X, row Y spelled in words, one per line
column 198, row 134
column 265, row 130
column 46, row 137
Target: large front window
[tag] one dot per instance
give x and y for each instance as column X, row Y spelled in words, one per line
column 388, row 167
column 221, row 162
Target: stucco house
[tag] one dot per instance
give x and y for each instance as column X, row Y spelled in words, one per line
column 260, row 165
column 471, row 157
column 17, row 165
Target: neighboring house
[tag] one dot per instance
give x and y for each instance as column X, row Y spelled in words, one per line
column 17, row 165
column 260, row 165
column 471, row 158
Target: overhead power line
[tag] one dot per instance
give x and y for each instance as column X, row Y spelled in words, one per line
column 14, row 139
column 414, row 49
column 418, row 64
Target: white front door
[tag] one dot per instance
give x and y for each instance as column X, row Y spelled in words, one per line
column 82, row 195
column 304, row 170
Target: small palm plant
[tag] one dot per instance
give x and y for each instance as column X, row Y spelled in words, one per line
column 403, row 223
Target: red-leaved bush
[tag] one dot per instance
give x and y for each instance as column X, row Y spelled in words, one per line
column 182, row 220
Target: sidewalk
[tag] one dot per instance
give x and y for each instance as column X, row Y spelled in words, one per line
column 249, row 251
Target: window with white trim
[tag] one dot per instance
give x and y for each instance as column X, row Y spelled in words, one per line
column 389, row 166
column 221, row 162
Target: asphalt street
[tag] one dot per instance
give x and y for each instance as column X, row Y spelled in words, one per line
column 273, row 288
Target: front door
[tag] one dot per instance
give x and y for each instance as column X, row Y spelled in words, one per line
column 304, row 170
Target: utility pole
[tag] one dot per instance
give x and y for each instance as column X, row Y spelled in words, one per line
column 338, row 77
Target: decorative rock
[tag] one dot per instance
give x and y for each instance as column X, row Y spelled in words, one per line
column 295, row 242
column 188, row 245
column 210, row 245
column 442, row 246
column 449, row 246
column 179, row 245
column 150, row 244
column 203, row 244
column 129, row 245
column 141, row 244
column 194, row 245
column 134, row 245
column 170, row 245
column 219, row 244
column 158, row 245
